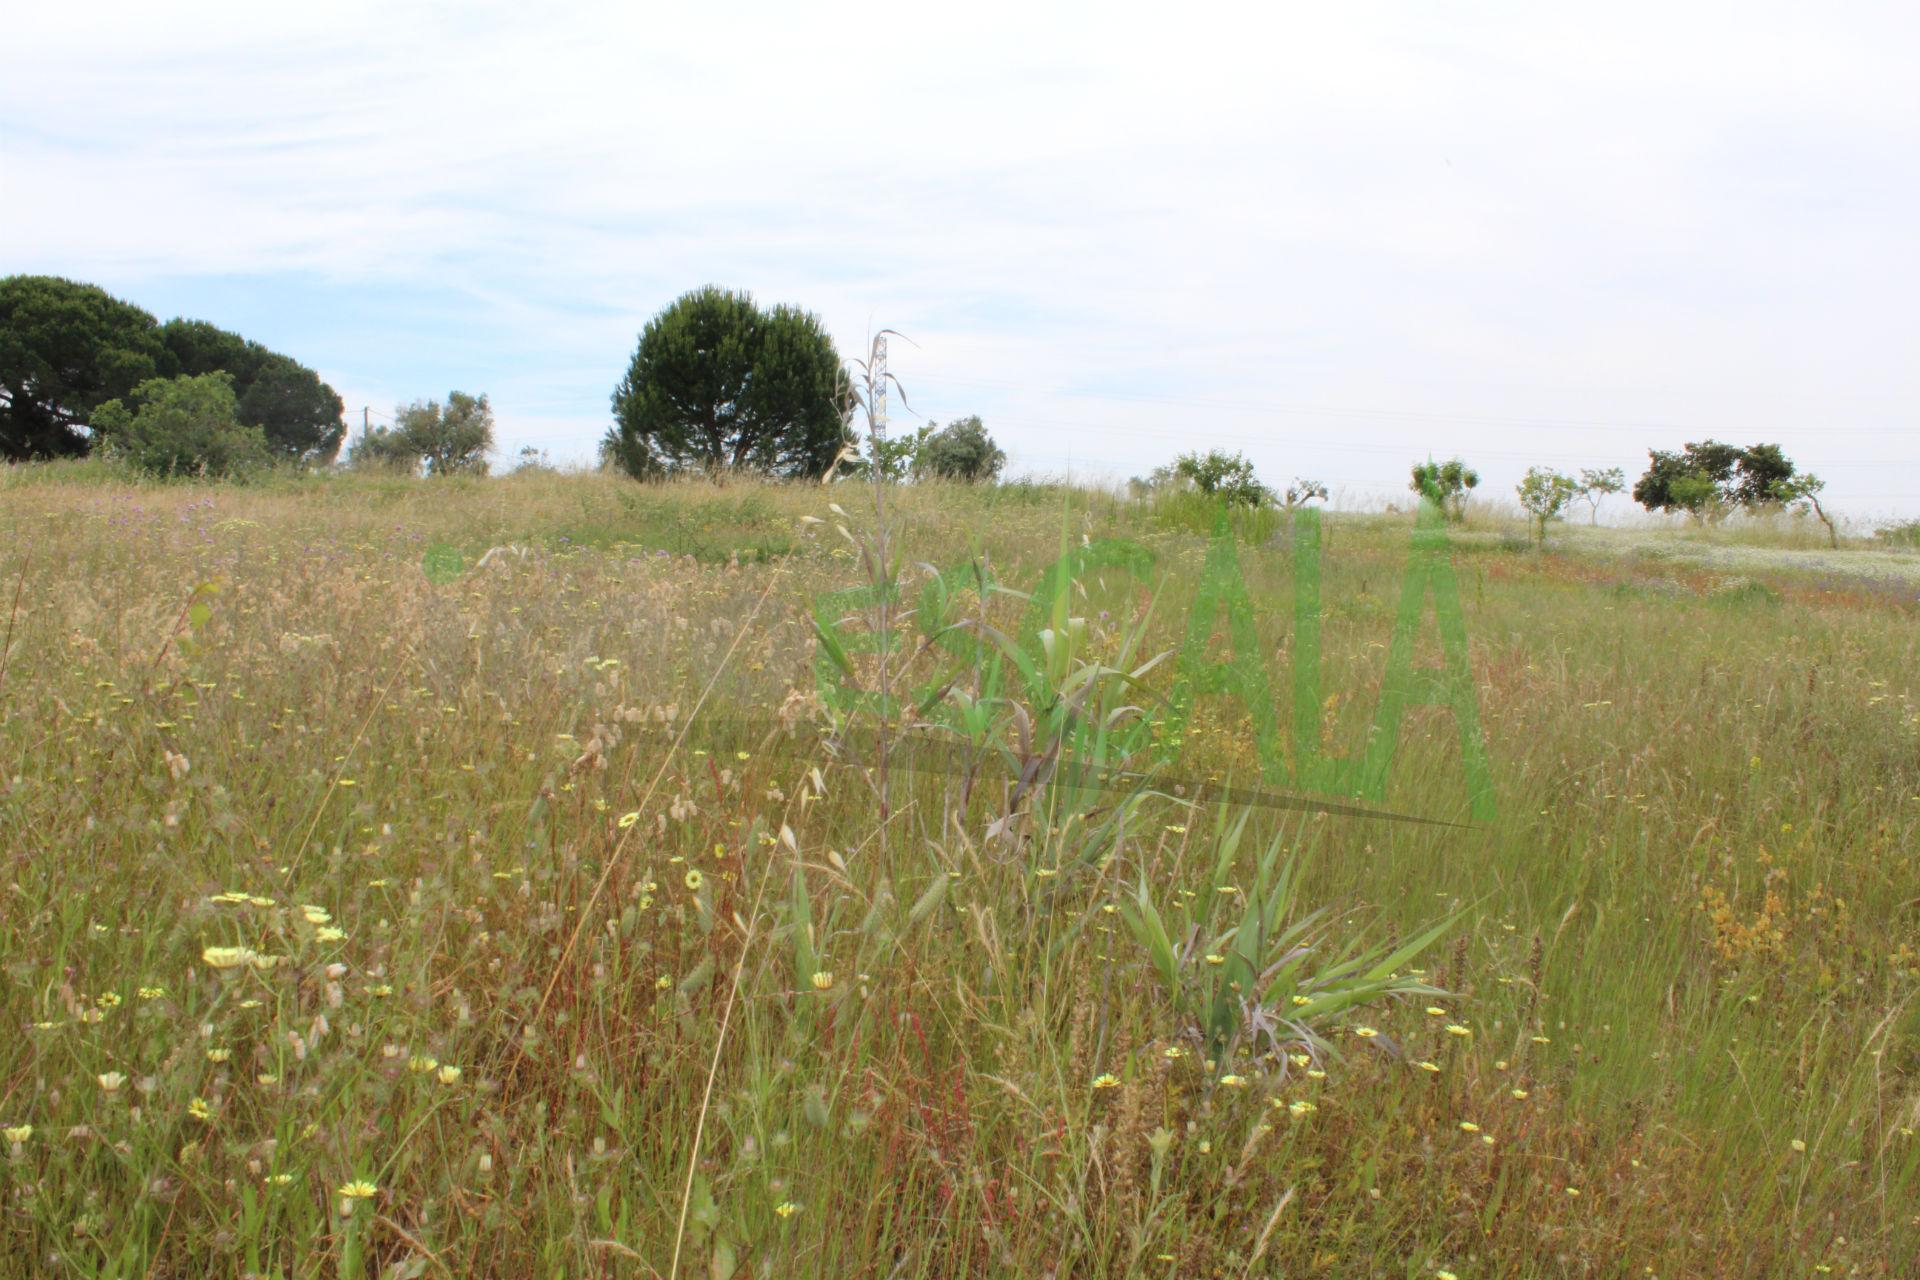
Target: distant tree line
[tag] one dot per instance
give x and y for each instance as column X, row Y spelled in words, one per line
column 1707, row 480
column 69, row 350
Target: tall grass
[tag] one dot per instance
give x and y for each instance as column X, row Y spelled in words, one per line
column 1679, row 1034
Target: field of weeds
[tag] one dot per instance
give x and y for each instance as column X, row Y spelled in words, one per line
column 368, row 909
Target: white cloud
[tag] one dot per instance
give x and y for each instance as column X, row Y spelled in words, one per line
column 1337, row 236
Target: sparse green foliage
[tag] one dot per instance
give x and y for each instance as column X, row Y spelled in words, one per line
column 1597, row 483
column 453, row 439
column 1446, row 483
column 892, row 457
column 1226, row 476
column 1904, row 533
column 1544, row 494
column 1802, row 493
column 181, row 427
column 718, row 383
column 1303, row 491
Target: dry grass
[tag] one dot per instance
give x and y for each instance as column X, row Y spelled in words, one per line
column 1686, row 966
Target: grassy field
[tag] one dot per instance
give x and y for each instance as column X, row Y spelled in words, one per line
column 519, row 920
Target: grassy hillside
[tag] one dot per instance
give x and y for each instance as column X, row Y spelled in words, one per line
column 531, row 900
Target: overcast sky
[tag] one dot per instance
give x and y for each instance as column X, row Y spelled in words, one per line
column 1339, row 237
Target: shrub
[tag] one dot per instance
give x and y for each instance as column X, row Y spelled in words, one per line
column 1227, row 476
column 181, row 427
column 961, row 450
column 1906, row 534
column 447, row 440
column 1447, row 483
column 1545, row 493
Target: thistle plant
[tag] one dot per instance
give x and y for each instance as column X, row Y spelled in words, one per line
column 1273, row 980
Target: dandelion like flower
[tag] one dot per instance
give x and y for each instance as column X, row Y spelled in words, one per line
column 786, row 1208
column 1234, row 1082
column 823, row 980
column 1520, row 1094
column 1435, row 1011
column 1214, row 958
column 152, row 993
column 420, row 1064
column 317, row 915
column 1365, row 1033
column 693, row 880
column 200, row 1110
column 1455, row 1029
column 1469, row 1126
column 1301, row 1107
column 449, row 1075
column 1445, row 1275
column 219, row 1055
column 628, row 819
column 111, row 1081
column 663, row 982
column 17, row 1134
column 1106, row 1081
column 327, row 933
column 226, row 957
column 359, row 1189
column 1428, row 1066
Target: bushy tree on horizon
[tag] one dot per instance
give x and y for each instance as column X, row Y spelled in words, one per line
column 962, row 450
column 450, row 439
column 1447, row 483
column 186, row 426
column 1709, row 478
column 66, row 348
column 1228, row 476
column 300, row 415
column 1544, row 493
column 718, row 383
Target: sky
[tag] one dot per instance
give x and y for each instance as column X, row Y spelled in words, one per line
column 1339, row 238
